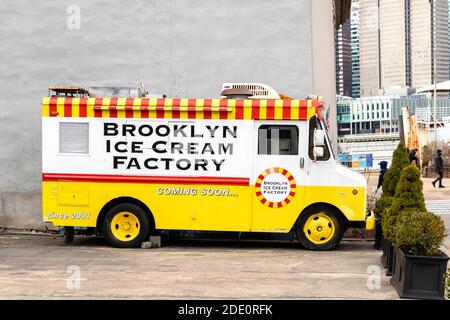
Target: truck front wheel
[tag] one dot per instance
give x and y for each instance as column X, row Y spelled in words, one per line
column 320, row 228
column 126, row 226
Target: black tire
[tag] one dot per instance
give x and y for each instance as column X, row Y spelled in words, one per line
column 143, row 226
column 69, row 234
column 335, row 237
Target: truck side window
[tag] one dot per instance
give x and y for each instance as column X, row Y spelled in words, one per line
column 74, row 137
column 314, row 123
column 278, row 140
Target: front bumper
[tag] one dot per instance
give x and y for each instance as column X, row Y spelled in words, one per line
column 368, row 223
column 370, row 220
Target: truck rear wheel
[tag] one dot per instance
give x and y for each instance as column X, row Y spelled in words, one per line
column 320, row 228
column 126, row 226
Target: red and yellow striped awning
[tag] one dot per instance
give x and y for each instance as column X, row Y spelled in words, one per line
column 175, row 108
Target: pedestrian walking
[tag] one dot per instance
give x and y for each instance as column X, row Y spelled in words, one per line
column 439, row 163
column 383, row 170
column 413, row 156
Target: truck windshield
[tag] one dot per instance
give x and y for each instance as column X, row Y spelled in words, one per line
column 329, row 142
column 316, row 124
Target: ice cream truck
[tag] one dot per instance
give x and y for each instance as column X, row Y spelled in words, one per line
column 251, row 161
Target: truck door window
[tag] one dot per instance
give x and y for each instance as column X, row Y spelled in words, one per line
column 314, row 123
column 278, row 140
column 73, row 137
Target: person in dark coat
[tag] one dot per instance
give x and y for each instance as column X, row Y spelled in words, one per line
column 383, row 169
column 439, row 163
column 413, row 156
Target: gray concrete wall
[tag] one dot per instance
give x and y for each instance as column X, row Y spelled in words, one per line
column 184, row 48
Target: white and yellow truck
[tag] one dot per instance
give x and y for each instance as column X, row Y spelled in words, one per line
column 130, row 166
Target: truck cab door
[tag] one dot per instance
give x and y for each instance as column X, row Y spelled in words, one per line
column 320, row 170
column 278, row 174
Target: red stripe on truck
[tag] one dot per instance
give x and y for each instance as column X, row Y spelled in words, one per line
column 110, row 178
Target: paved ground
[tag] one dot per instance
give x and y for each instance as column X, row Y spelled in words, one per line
column 37, row 266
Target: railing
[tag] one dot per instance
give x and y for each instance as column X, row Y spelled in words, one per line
column 431, row 172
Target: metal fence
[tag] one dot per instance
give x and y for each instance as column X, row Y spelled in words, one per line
column 431, row 172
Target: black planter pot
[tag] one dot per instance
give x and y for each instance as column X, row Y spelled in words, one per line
column 379, row 237
column 387, row 258
column 419, row 277
column 385, row 251
column 390, row 258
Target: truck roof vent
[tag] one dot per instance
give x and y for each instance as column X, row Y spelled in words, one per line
column 240, row 93
column 67, row 91
column 259, row 90
column 100, row 92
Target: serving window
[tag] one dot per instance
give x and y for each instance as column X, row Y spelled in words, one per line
column 74, row 137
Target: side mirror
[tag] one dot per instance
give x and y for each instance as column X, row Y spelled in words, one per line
column 318, row 152
column 319, row 138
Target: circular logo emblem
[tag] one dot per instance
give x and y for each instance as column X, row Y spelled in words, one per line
column 275, row 187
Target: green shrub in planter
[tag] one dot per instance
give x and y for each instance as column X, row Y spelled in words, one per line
column 391, row 179
column 419, row 233
column 409, row 191
column 408, row 196
column 419, row 268
column 382, row 204
column 392, row 176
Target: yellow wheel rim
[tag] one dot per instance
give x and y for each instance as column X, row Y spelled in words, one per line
column 125, row 226
column 319, row 228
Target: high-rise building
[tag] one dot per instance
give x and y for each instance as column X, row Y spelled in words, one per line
column 356, row 72
column 393, row 43
column 429, row 41
column 369, row 47
column 344, row 60
column 399, row 40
